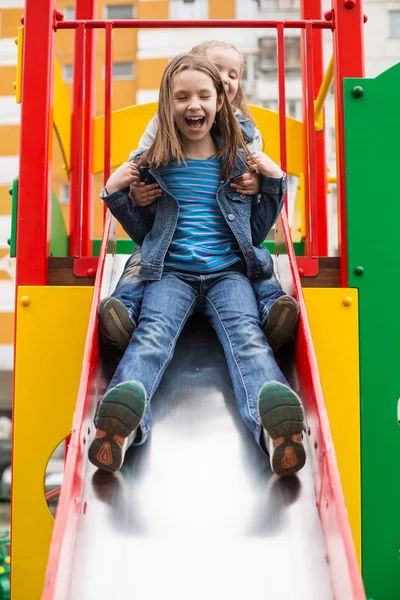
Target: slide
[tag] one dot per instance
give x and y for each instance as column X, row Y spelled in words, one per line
column 196, row 513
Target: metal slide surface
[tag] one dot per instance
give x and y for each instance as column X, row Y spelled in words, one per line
column 195, row 512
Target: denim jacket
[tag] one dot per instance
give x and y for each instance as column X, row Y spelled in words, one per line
column 249, row 217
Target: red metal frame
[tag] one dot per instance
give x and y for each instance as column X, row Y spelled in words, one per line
column 197, row 24
column 75, row 210
column 348, row 24
column 86, row 9
column 312, row 9
column 34, row 188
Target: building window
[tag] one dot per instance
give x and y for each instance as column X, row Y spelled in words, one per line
column 64, row 194
column 69, row 13
column 67, row 72
column 122, row 70
column 188, row 9
column 394, row 19
column 278, row 4
column 119, row 11
column 269, row 58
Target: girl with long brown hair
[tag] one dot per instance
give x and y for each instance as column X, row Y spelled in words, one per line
column 119, row 314
column 200, row 248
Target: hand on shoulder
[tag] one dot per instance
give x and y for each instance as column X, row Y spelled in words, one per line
column 123, row 177
column 263, row 164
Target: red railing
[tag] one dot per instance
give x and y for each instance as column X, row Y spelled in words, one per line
column 316, row 239
column 33, row 243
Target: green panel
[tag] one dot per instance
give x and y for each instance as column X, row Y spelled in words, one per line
column 14, row 208
column 123, row 247
column 59, row 234
column 127, row 246
column 372, row 146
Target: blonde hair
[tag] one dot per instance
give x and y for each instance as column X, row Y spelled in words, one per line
column 240, row 100
column 167, row 143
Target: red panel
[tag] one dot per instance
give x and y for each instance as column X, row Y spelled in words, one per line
column 349, row 62
column 33, row 235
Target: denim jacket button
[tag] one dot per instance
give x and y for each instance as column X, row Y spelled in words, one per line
column 242, row 196
column 231, row 217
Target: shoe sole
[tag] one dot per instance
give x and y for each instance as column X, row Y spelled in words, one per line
column 114, row 323
column 282, row 416
column 119, row 415
column 281, row 322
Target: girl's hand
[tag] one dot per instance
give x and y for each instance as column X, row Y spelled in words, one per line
column 123, row 177
column 143, row 194
column 248, row 183
column 264, row 165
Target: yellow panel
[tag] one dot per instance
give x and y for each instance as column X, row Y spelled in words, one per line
column 299, row 212
column 10, row 21
column 268, row 123
column 150, row 72
column 334, row 329
column 129, row 123
column 18, row 83
column 221, row 10
column 62, row 115
column 6, row 328
column 7, row 78
column 153, row 9
column 50, row 339
column 5, row 199
column 127, row 127
column 9, row 140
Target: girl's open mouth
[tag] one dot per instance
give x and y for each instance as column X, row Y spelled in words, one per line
column 195, row 123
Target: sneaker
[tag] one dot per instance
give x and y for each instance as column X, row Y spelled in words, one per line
column 281, row 322
column 115, row 323
column 118, row 417
column 282, row 417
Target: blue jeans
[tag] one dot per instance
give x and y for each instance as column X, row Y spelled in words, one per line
column 130, row 289
column 227, row 300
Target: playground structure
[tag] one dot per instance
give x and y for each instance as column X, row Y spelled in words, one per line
column 344, row 348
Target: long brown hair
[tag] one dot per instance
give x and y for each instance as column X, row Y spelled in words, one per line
column 240, row 100
column 167, row 143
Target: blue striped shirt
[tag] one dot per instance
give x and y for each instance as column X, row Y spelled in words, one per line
column 203, row 241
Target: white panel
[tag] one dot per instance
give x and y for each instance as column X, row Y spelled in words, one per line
column 12, row 4
column 144, row 96
column 8, row 52
column 168, row 43
column 10, row 111
column 7, row 296
column 9, row 167
column 6, row 357
column 5, row 229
